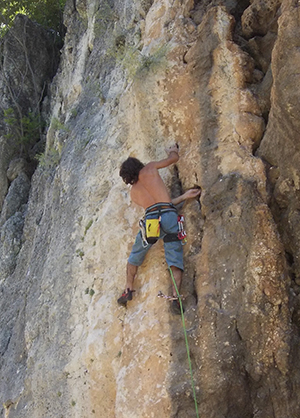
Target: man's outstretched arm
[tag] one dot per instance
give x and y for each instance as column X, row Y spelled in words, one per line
column 173, row 157
column 190, row 194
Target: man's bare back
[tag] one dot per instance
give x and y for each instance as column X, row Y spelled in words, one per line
column 150, row 188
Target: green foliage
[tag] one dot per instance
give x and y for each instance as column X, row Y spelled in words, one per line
column 23, row 130
column 90, row 223
column 137, row 64
column 74, row 113
column 49, row 159
column 48, row 13
column 90, row 292
column 58, row 126
column 80, row 253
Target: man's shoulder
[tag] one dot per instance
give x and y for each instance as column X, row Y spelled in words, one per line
column 150, row 167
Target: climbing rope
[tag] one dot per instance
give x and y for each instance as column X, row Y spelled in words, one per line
column 186, row 343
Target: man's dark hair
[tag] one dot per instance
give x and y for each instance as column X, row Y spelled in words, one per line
column 130, row 169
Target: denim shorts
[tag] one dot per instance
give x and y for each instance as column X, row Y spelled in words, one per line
column 173, row 250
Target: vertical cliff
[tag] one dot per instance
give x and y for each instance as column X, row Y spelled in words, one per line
column 220, row 79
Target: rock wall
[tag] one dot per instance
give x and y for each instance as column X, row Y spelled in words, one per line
column 219, row 78
column 29, row 60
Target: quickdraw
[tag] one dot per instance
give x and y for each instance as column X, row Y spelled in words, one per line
column 181, row 233
column 170, row 298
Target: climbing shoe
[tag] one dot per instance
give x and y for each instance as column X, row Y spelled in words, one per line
column 175, row 307
column 125, row 297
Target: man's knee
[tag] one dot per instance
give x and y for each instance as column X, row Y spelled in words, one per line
column 177, row 269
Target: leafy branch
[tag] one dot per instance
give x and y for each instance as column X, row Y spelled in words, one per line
column 48, row 13
column 49, row 159
column 136, row 63
column 24, row 130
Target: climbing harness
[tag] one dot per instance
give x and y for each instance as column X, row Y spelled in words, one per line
column 180, row 236
column 186, row 343
column 150, row 228
column 160, row 208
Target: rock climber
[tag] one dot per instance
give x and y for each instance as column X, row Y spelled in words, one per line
column 149, row 191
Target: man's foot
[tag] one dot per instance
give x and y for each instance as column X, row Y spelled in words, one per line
column 126, row 296
column 175, row 307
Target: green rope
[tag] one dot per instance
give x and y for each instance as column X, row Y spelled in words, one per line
column 186, row 343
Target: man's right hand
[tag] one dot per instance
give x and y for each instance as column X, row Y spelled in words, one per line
column 191, row 193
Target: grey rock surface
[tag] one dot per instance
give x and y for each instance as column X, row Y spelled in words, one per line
column 17, row 196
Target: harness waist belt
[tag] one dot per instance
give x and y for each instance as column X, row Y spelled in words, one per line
column 160, row 208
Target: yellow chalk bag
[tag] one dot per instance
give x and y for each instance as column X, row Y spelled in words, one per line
column 153, row 228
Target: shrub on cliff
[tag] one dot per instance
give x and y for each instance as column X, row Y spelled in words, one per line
column 48, row 13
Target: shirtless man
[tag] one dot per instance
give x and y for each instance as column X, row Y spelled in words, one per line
column 149, row 191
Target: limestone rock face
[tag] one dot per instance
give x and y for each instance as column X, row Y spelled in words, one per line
column 260, row 17
column 280, row 146
column 135, row 77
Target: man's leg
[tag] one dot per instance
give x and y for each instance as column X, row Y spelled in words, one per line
column 174, row 255
column 131, row 271
column 177, row 274
column 137, row 256
column 173, row 249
